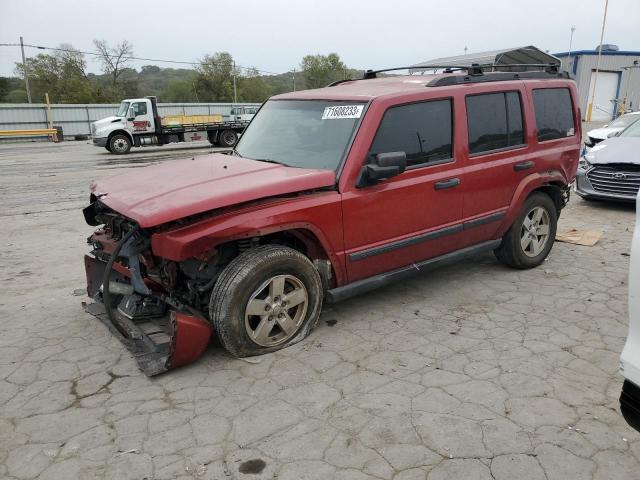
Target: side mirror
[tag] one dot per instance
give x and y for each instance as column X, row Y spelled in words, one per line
column 383, row 166
column 612, row 134
column 131, row 114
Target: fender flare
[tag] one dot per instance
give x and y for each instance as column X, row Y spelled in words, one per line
column 525, row 188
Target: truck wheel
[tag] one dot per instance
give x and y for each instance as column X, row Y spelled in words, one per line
column 266, row 299
column 227, row 138
column 107, row 148
column 530, row 238
column 119, row 144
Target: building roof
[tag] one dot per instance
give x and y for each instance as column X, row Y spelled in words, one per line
column 516, row 55
column 575, row 53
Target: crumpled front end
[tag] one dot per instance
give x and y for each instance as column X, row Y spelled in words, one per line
column 136, row 296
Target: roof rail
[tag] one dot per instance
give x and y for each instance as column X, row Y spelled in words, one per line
column 474, row 69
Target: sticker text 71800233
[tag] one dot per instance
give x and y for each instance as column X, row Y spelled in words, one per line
column 342, row 111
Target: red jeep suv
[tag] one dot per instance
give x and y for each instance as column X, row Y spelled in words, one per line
column 330, row 193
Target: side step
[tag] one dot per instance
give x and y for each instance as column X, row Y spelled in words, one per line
column 382, row 279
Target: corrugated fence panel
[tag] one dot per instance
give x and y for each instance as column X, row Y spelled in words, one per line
column 75, row 119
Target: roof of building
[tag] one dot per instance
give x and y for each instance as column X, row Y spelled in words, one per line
column 575, row 53
column 516, row 55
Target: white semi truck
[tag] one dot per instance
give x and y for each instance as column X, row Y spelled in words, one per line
column 137, row 124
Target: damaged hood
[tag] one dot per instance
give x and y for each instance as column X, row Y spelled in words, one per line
column 176, row 189
column 616, row 150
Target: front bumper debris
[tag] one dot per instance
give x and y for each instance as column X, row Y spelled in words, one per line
column 158, row 342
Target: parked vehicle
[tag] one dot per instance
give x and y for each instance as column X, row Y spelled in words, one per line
column 597, row 135
column 330, row 193
column 630, row 358
column 611, row 169
column 137, row 124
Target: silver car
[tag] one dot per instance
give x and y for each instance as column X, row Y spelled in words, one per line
column 611, row 169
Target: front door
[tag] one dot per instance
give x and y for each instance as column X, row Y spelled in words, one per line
column 412, row 216
column 143, row 118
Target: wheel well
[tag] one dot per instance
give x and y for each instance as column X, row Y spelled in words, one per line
column 558, row 192
column 117, row 132
column 302, row 240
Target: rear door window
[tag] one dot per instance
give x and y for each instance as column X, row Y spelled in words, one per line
column 494, row 121
column 554, row 113
column 422, row 130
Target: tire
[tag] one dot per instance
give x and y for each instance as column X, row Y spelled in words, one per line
column 527, row 246
column 244, row 290
column 227, row 138
column 107, row 148
column 119, row 144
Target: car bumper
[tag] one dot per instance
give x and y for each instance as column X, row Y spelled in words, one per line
column 585, row 189
column 100, row 142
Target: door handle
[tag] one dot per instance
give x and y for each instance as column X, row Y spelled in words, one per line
column 452, row 182
column 524, row 166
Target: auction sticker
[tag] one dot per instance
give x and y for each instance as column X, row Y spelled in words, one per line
column 342, row 111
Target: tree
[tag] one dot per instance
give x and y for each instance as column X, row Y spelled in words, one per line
column 320, row 70
column 114, row 61
column 62, row 75
column 252, row 87
column 214, row 79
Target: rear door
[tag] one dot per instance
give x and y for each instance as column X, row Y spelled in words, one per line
column 412, row 216
column 497, row 158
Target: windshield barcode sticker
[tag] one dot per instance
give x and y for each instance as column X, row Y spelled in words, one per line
column 342, row 111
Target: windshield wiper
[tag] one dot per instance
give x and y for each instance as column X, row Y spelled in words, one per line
column 268, row 160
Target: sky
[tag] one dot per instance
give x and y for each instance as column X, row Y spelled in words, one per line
column 274, row 35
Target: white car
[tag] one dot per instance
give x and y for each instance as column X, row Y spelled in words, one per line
column 598, row 134
column 630, row 358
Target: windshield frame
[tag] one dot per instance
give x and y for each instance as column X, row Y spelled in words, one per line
column 123, row 106
column 349, row 144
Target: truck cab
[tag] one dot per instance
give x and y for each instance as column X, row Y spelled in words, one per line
column 243, row 114
column 135, row 116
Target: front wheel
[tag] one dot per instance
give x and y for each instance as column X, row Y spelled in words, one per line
column 266, row 299
column 227, row 138
column 119, row 144
column 529, row 240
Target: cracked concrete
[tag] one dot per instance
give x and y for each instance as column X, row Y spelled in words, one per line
column 473, row 371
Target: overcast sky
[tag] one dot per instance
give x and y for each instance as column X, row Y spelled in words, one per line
column 274, row 35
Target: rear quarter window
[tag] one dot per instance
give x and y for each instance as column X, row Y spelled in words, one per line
column 554, row 113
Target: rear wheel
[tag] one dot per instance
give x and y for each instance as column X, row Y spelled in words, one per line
column 227, row 138
column 530, row 238
column 107, row 148
column 119, row 144
column 264, row 300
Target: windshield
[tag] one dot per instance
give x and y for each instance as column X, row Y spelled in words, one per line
column 301, row 133
column 122, row 111
column 624, row 121
column 632, row 131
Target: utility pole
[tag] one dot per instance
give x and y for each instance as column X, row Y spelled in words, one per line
column 294, row 79
column 595, row 77
column 24, row 68
column 235, row 91
column 465, row 49
column 573, row 29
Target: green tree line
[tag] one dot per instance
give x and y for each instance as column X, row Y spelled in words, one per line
column 63, row 75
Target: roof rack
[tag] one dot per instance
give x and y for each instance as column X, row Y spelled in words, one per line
column 475, row 69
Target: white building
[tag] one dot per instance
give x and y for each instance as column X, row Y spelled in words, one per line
column 618, row 81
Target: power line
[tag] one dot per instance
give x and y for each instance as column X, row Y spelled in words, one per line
column 96, row 54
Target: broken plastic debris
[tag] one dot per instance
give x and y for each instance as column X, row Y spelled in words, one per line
column 133, row 450
column 250, row 359
column 587, row 238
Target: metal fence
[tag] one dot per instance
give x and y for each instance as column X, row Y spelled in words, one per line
column 75, row 119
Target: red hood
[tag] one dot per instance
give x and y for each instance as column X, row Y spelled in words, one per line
column 172, row 190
